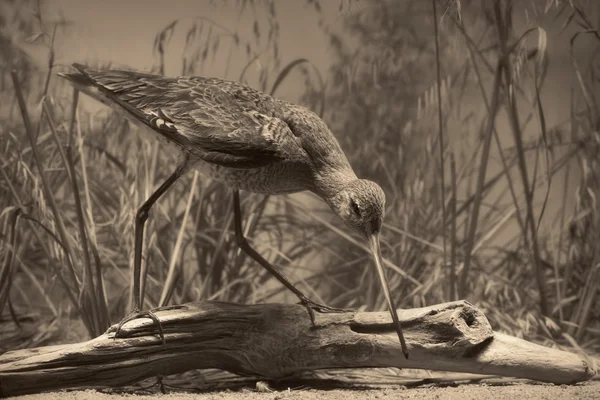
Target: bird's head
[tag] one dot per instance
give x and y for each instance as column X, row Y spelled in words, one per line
column 361, row 204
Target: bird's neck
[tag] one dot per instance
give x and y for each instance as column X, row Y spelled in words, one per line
column 330, row 183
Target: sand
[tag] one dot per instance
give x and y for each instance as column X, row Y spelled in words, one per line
column 528, row 391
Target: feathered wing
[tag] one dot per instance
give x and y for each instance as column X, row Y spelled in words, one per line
column 222, row 122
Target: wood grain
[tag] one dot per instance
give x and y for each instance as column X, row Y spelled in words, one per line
column 273, row 341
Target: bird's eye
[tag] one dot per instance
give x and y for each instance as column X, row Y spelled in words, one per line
column 294, row 127
column 355, row 207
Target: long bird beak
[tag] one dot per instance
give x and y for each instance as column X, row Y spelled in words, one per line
column 376, row 251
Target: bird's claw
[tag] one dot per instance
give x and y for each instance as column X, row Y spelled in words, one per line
column 135, row 314
column 311, row 307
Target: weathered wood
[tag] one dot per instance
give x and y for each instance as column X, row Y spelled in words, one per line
column 275, row 340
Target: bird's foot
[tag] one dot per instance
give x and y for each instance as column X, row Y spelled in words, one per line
column 135, row 314
column 311, row 307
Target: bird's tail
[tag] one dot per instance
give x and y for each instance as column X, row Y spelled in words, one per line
column 85, row 84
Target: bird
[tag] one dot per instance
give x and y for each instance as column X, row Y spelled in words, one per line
column 247, row 140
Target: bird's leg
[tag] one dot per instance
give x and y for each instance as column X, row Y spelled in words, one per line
column 140, row 220
column 245, row 246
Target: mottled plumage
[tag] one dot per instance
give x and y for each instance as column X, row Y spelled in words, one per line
column 235, row 134
column 247, row 140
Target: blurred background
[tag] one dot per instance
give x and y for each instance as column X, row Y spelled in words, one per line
column 497, row 207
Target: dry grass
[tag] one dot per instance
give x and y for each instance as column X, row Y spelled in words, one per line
column 71, row 182
column 519, row 276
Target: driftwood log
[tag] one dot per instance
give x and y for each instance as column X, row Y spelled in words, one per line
column 273, row 341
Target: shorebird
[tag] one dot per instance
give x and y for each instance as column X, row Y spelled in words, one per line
column 249, row 141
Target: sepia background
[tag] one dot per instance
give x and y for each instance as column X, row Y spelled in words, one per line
column 513, row 230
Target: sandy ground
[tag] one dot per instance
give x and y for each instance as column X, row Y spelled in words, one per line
column 529, row 391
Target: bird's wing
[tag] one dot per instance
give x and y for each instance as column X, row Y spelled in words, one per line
column 222, row 122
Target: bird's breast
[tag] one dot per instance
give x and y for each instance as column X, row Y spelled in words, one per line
column 277, row 178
